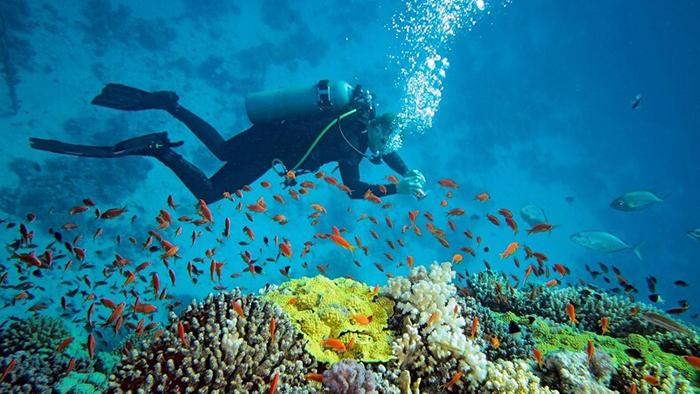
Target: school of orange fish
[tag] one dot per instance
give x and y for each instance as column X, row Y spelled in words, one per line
column 141, row 295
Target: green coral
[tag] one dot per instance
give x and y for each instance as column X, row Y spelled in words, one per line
column 325, row 308
column 82, row 383
column 553, row 336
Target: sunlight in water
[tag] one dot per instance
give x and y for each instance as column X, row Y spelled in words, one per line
column 426, row 29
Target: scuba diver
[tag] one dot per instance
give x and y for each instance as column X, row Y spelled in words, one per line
column 303, row 127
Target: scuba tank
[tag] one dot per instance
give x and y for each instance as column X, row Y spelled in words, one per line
column 299, row 102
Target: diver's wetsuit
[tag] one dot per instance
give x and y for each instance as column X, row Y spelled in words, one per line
column 249, row 154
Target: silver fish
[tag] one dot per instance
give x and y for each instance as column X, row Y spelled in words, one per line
column 694, row 235
column 603, row 242
column 635, row 201
column 533, row 215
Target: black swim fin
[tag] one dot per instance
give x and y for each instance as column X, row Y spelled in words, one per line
column 145, row 145
column 126, row 98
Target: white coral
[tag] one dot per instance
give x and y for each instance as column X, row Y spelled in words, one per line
column 424, row 294
column 513, row 377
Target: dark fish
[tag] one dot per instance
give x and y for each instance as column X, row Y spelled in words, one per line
column 10, row 225
column 474, row 217
column 58, row 237
column 603, row 267
column 616, row 271
column 695, row 316
column 37, row 272
column 684, row 304
column 570, row 199
column 637, row 100
column 100, row 283
column 633, row 353
column 153, row 249
column 630, row 289
column 587, row 267
column 595, row 274
column 655, row 298
column 72, row 293
column 680, row 283
column 651, row 284
column 676, row 311
column 486, row 249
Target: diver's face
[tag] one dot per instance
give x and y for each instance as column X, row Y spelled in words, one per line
column 376, row 139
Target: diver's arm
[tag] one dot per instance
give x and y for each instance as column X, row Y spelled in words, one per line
column 394, row 161
column 350, row 174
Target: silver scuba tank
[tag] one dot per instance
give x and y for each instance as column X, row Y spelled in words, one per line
column 298, row 102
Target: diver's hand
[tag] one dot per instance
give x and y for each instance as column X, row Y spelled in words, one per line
column 410, row 185
column 415, row 173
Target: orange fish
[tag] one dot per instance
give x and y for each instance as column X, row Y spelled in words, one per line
column 350, row 343
column 456, row 258
column 633, row 388
column 538, row 356
column 540, row 228
column 475, row 326
column 66, row 342
column 362, row 319
column 273, row 384
column 604, row 325
column 286, row 250
column 181, row 333
column 513, row 226
column 454, row 380
column 273, row 324
column 456, row 212
column 571, row 313
column 482, row 197
column 432, row 318
column 392, row 179
column 409, row 261
column 333, row 343
column 237, row 307
column 493, row 219
column 8, row 369
column 652, row 380
column 553, row 282
column 589, row 351
column 375, row 291
column 694, row 361
column 91, row 346
column 342, row 242
column 448, row 183
column 316, row 377
column 292, row 301
column 509, row 250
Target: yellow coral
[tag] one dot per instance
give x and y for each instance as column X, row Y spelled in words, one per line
column 325, row 309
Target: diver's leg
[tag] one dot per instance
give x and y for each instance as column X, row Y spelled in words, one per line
column 191, row 176
column 201, row 129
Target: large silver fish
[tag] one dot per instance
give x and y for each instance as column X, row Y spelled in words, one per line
column 694, row 235
column 635, row 201
column 603, row 242
column 533, row 215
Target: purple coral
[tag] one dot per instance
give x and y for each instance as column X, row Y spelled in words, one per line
column 349, row 377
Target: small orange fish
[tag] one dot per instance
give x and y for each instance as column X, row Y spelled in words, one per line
column 633, row 388
column 604, row 325
column 454, row 380
column 350, row 343
column 475, row 326
column 448, row 183
column 237, row 307
column 456, row 258
column 510, row 250
column 292, row 301
column 342, row 242
column 66, row 342
column 432, row 318
column 694, row 361
column 181, row 332
column 273, row 384
column 652, row 380
column 362, row 319
column 333, row 343
column 538, row 356
column 589, row 351
column 482, row 197
column 571, row 313
column 273, row 324
column 409, row 261
column 553, row 282
column 316, row 377
column 540, row 228
column 9, row 369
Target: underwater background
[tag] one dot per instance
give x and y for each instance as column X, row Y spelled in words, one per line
column 565, row 106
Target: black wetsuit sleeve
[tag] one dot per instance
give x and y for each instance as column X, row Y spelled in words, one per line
column 350, row 174
column 394, row 161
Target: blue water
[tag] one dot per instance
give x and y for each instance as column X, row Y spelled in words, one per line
column 535, row 109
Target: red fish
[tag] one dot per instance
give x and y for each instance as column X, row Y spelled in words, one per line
column 66, row 342
column 482, row 197
column 448, row 183
column 91, row 346
column 181, row 333
column 8, row 369
column 113, row 213
column 540, row 228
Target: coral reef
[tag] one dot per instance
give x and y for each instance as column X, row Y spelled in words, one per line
column 435, row 347
column 512, row 377
column 76, row 383
column 327, row 308
column 349, row 377
column 570, row 372
column 39, row 336
column 590, row 304
column 32, row 373
column 670, row 381
column 220, row 350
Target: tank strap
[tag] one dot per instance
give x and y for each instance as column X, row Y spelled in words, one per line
column 313, row 145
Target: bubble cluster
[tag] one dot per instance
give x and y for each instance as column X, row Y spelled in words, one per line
column 426, row 29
